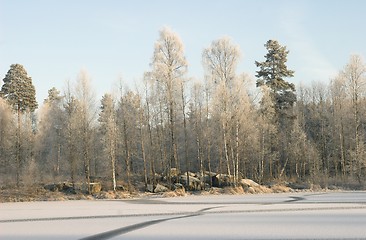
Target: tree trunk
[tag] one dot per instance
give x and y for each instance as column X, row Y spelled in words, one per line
column 226, row 148
column 18, row 147
column 237, row 153
column 185, row 134
column 152, row 156
column 143, row 153
column 127, row 152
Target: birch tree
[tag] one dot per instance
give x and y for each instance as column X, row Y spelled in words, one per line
column 49, row 134
column 220, row 60
column 169, row 67
column 87, row 116
column 128, row 121
column 354, row 74
column 71, row 131
column 149, row 120
column 340, row 121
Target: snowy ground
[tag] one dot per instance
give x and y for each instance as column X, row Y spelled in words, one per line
column 340, row 215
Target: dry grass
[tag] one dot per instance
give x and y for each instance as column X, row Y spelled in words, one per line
column 280, row 189
column 176, row 193
column 30, row 194
column 234, row 190
column 39, row 193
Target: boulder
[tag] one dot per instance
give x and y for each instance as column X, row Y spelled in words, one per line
column 250, row 190
column 160, row 188
column 248, row 183
column 191, row 174
column 51, row 187
column 194, row 183
column 222, row 180
column 150, row 188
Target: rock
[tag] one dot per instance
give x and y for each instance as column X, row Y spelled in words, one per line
column 67, row 187
column 211, row 174
column 250, row 190
column 248, row 183
column 150, row 188
column 222, row 180
column 160, row 188
column 194, row 183
column 51, row 187
column 299, row 186
column 191, row 174
column 331, row 187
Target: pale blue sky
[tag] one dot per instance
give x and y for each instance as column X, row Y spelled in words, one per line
column 54, row 40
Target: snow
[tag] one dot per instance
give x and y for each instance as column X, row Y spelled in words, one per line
column 265, row 216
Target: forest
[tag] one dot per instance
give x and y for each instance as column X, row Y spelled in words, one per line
column 265, row 129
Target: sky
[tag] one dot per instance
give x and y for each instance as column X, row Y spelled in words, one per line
column 114, row 39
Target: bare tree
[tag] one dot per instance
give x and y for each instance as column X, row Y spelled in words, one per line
column 87, row 116
column 129, row 117
column 355, row 76
column 148, row 119
column 49, row 134
column 168, row 68
column 71, row 131
column 339, row 117
column 220, row 61
column 196, row 116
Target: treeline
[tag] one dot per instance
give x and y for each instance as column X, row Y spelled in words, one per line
column 220, row 124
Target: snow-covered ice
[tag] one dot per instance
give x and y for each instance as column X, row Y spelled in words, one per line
column 336, row 215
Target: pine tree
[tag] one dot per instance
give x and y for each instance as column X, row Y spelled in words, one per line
column 272, row 73
column 20, row 93
column 18, row 89
column 274, row 69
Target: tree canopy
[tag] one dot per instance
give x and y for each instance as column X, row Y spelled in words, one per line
column 18, row 89
column 273, row 70
column 272, row 73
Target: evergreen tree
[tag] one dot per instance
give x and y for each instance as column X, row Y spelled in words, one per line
column 53, row 96
column 272, row 73
column 108, row 130
column 20, row 93
column 18, row 89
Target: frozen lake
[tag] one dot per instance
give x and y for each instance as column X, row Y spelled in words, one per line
column 336, row 215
